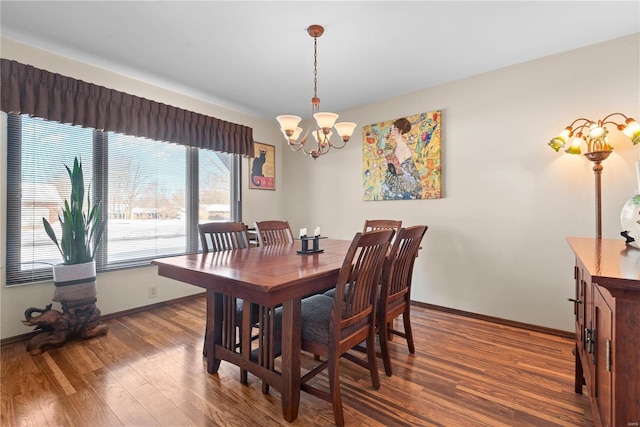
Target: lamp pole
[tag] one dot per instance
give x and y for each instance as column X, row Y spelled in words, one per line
column 597, row 157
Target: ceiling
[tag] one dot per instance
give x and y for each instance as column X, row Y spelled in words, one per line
column 256, row 56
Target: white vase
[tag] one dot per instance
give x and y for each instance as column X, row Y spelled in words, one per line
column 75, row 282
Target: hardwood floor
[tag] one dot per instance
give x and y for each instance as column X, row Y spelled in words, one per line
column 148, row 371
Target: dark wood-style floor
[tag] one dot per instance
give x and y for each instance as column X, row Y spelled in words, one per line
column 148, row 371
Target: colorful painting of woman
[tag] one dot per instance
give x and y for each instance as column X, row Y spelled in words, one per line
column 402, row 180
column 401, row 158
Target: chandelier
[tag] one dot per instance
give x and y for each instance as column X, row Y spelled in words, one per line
column 324, row 121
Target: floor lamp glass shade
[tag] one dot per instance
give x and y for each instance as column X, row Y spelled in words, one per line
column 630, row 215
column 632, row 130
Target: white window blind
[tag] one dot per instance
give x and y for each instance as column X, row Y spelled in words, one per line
column 144, row 185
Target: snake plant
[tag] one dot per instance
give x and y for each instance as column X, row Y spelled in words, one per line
column 79, row 229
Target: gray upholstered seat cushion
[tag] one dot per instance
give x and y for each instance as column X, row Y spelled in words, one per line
column 316, row 312
column 255, row 313
column 332, row 292
column 316, row 315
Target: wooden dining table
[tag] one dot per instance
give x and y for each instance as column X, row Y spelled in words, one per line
column 267, row 276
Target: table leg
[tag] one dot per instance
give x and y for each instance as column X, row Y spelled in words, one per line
column 245, row 338
column 214, row 329
column 291, row 319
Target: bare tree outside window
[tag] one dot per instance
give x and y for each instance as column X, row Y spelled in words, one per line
column 126, row 186
column 215, row 186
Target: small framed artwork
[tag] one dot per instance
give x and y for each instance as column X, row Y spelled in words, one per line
column 262, row 168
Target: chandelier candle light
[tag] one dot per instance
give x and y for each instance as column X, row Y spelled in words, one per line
column 594, row 134
column 324, row 120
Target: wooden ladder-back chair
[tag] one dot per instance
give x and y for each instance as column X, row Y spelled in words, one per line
column 382, row 224
column 373, row 225
column 332, row 326
column 224, row 236
column 273, row 232
column 395, row 292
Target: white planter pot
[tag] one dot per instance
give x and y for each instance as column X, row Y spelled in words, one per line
column 75, row 282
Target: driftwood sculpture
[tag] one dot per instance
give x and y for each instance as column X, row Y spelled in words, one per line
column 78, row 320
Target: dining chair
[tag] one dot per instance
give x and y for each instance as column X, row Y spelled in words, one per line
column 382, row 224
column 395, row 291
column 332, row 326
column 224, row 236
column 273, row 232
column 372, row 225
column 270, row 233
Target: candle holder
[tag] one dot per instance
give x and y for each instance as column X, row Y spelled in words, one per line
column 315, row 249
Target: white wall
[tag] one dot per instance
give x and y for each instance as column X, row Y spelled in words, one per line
column 496, row 240
column 126, row 289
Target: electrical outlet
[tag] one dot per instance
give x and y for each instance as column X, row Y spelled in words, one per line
column 153, row 292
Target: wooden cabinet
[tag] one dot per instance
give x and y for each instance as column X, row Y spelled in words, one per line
column 607, row 319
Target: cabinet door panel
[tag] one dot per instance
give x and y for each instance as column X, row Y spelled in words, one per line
column 603, row 358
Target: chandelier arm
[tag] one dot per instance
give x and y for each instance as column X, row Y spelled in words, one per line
column 579, row 128
column 300, row 147
column 304, row 148
column 295, row 147
column 604, row 121
column 339, row 147
column 577, row 120
column 323, row 149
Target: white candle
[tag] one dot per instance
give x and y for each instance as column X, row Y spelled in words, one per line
column 303, row 232
column 317, row 232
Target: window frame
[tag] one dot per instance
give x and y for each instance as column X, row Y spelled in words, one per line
column 100, row 191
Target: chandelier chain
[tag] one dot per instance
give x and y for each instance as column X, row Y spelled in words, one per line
column 315, row 67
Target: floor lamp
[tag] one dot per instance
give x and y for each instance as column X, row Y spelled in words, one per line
column 594, row 134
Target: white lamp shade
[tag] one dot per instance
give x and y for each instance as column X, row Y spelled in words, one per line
column 296, row 133
column 596, row 132
column 322, row 135
column 294, row 136
column 325, row 120
column 345, row 128
column 288, row 122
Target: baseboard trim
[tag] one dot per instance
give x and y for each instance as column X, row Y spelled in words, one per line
column 498, row 320
column 151, row 306
column 28, row 336
column 521, row 325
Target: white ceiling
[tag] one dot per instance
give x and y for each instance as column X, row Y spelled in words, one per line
column 256, row 56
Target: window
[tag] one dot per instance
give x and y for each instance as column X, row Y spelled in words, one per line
column 151, row 204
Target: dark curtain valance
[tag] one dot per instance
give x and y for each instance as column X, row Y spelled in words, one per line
column 40, row 93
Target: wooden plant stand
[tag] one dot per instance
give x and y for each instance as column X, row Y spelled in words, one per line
column 78, row 319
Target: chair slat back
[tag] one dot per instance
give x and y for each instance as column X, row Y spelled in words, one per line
column 273, row 232
column 398, row 268
column 382, row 224
column 223, row 236
column 362, row 269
